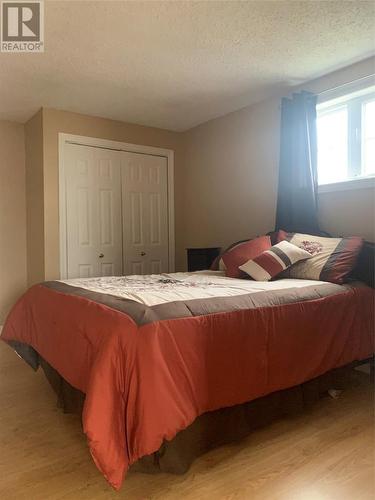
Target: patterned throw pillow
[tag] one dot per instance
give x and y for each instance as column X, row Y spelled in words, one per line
column 238, row 254
column 273, row 261
column 332, row 260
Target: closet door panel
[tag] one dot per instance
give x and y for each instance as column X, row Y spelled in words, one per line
column 93, row 211
column 145, row 213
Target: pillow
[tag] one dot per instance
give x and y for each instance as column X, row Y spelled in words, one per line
column 241, row 253
column 217, row 264
column 333, row 259
column 273, row 261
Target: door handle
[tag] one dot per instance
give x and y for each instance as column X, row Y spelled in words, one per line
column 143, row 254
column 101, row 255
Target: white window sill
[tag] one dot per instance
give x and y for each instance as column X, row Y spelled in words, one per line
column 362, row 183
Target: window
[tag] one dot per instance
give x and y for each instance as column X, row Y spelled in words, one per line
column 346, row 137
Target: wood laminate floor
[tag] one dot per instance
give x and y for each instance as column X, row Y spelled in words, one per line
column 325, row 454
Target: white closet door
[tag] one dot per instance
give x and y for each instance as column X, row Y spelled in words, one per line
column 93, row 201
column 145, row 213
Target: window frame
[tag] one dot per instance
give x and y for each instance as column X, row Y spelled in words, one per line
column 354, row 96
column 364, row 102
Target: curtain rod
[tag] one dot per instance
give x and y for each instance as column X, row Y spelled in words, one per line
column 368, row 77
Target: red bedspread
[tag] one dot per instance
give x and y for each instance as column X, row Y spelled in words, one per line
column 145, row 381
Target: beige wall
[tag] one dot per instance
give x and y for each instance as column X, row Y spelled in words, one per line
column 348, row 213
column 55, row 121
column 34, row 199
column 12, row 215
column 231, row 176
column 231, row 172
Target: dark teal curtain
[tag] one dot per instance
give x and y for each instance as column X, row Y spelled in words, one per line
column 298, row 181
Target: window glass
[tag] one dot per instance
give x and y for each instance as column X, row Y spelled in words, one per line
column 346, row 137
column 332, row 127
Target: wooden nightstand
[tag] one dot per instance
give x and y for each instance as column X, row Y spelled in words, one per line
column 201, row 258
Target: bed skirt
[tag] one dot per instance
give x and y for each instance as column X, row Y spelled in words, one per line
column 215, row 428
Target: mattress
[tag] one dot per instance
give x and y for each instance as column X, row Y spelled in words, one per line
column 152, row 353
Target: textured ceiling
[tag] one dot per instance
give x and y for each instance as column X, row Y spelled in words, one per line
column 177, row 64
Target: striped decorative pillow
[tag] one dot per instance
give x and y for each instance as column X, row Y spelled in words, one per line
column 333, row 259
column 273, row 261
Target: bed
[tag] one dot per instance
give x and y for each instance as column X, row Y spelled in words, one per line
column 153, row 353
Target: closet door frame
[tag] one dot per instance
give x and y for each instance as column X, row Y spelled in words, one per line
column 116, row 146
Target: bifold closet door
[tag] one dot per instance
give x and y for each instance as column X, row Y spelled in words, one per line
column 93, row 211
column 145, row 213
